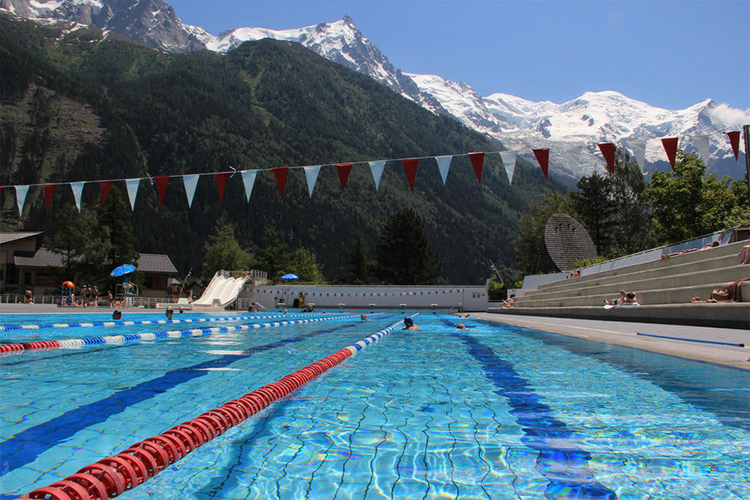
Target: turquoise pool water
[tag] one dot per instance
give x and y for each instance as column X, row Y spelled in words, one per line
column 492, row 412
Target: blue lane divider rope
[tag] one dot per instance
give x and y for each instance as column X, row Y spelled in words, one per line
column 691, row 340
column 107, row 324
column 175, row 334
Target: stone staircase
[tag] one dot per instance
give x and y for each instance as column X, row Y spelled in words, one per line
column 664, row 290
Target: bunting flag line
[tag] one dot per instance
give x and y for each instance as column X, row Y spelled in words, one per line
column 734, row 140
column 344, row 169
column 376, row 168
column 311, row 174
column 132, row 188
column 444, row 165
column 608, row 151
column 190, row 182
column 248, row 181
column 280, row 173
column 477, row 161
column 105, row 186
column 21, row 192
column 77, row 188
column 509, row 162
column 410, row 167
column 670, row 147
column 542, row 156
column 49, row 191
column 221, row 183
column 701, row 144
column 161, row 186
column 638, row 149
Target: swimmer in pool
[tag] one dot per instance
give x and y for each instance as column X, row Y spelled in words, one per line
column 409, row 324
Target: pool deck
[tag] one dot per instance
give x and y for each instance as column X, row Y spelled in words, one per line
column 610, row 332
column 700, row 347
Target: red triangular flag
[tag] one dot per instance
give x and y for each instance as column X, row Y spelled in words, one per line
column 105, row 185
column 221, row 182
column 608, row 151
column 542, row 156
column 161, row 186
column 670, row 146
column 344, row 170
column 280, row 173
column 49, row 190
column 477, row 161
column 410, row 167
column 734, row 139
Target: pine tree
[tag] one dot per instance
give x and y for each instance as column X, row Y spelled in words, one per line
column 403, row 255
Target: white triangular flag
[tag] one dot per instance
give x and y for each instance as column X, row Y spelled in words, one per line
column 311, row 173
column 638, row 148
column 21, row 192
column 573, row 153
column 77, row 188
column 376, row 167
column 190, row 182
column 701, row 144
column 509, row 162
column 132, row 187
column 248, row 180
column 444, row 164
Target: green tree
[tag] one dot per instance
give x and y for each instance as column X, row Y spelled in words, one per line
column 403, row 255
column 595, row 207
column 688, row 203
column 77, row 241
column 274, row 256
column 117, row 231
column 529, row 241
column 358, row 266
column 303, row 263
column 222, row 251
column 631, row 220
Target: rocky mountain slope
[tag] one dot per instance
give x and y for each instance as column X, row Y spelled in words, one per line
column 571, row 130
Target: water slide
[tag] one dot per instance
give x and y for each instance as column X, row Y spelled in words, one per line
column 221, row 291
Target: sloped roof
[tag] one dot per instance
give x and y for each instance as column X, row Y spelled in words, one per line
column 10, row 237
column 156, row 263
column 148, row 263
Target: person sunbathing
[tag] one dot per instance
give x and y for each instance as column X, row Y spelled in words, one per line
column 625, row 299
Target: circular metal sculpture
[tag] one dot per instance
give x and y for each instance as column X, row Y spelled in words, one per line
column 566, row 242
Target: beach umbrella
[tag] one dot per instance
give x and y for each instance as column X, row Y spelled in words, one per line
column 122, row 270
column 69, row 284
column 290, row 277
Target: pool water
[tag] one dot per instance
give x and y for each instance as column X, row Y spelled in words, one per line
column 492, row 412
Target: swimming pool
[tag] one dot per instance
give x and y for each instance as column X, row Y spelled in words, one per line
column 489, row 412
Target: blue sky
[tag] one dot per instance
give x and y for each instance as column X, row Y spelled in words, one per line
column 668, row 53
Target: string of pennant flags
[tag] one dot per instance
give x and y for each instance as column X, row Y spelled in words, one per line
column 410, row 165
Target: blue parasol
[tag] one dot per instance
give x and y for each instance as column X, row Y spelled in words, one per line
column 122, row 270
column 290, row 277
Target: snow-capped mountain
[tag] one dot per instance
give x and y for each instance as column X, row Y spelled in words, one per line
column 151, row 22
column 571, row 130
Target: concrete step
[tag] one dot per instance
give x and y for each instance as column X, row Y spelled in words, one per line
column 680, row 294
column 642, row 282
column 720, row 315
column 731, row 249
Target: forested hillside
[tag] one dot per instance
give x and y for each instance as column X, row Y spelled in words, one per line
column 76, row 107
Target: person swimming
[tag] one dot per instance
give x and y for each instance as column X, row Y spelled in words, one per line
column 409, row 324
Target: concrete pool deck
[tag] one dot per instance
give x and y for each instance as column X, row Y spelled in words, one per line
column 626, row 334
column 609, row 332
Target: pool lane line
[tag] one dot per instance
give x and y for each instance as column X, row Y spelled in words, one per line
column 109, row 324
column 140, row 337
column 542, row 431
column 734, row 344
column 114, row 475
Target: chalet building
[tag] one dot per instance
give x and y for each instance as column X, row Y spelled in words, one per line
column 25, row 264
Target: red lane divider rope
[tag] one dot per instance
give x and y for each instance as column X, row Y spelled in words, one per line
column 114, row 475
